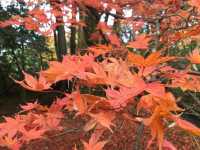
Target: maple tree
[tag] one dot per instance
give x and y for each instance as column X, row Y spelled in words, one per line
column 137, row 72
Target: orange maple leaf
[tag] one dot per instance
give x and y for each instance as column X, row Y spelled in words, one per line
column 186, row 125
column 90, row 125
column 97, row 76
column 79, row 103
column 195, row 3
column 100, row 49
column 93, row 142
column 114, row 39
column 34, row 84
column 11, row 126
column 58, row 71
column 104, row 118
column 53, row 120
column 146, row 102
column 120, row 98
column 154, row 58
column 185, row 81
column 12, row 143
column 32, row 134
column 161, row 108
column 194, row 57
column 141, row 42
column 156, row 89
column 30, row 106
column 156, row 126
column 64, row 71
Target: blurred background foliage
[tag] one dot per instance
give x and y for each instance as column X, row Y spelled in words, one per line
column 20, row 49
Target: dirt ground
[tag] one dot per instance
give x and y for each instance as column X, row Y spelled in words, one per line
column 124, row 137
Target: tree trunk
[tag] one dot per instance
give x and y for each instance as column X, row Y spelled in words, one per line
column 82, row 44
column 59, row 33
column 91, row 20
column 73, row 41
column 62, row 45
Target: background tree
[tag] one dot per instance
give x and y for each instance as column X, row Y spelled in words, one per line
column 20, row 49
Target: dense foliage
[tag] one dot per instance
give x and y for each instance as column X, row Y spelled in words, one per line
column 131, row 62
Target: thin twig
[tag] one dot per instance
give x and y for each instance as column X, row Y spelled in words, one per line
column 195, row 98
column 195, row 142
column 139, row 133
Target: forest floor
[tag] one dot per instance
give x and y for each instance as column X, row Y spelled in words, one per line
column 124, row 137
